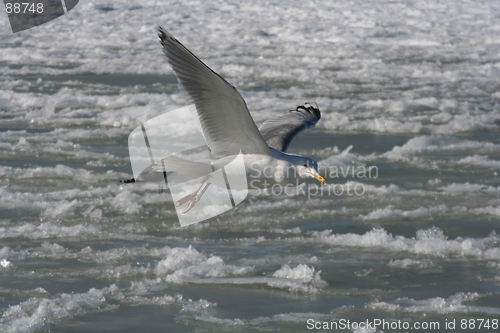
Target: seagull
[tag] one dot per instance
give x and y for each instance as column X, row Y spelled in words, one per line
column 230, row 131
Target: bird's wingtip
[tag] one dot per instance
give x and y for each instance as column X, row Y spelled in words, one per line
column 311, row 108
column 163, row 33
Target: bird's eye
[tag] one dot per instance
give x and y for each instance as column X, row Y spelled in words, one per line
column 305, row 165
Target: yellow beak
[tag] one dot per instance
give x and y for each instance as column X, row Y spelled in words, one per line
column 319, row 177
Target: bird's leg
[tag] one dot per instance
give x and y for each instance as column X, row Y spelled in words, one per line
column 196, row 198
column 190, row 196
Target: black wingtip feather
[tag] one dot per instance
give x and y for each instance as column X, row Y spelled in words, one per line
column 311, row 108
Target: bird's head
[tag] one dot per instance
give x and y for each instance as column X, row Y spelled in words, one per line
column 309, row 169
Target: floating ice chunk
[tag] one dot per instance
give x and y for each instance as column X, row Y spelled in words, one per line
column 211, row 319
column 7, row 253
column 197, row 306
column 5, row 263
column 489, row 210
column 436, row 143
column 396, row 214
column 302, row 272
column 56, row 251
column 179, row 258
column 120, row 272
column 64, row 208
column 302, row 278
column 410, row 263
column 441, row 118
column 479, row 160
column 293, row 317
column 452, row 304
column 187, row 264
column 47, row 230
column 127, row 202
column 39, row 313
column 431, row 242
column 59, row 172
column 467, row 187
column 36, row 313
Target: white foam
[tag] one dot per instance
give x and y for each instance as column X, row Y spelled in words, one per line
column 489, row 210
column 294, row 317
column 211, row 319
column 127, row 202
column 314, row 286
column 396, row 214
column 272, row 260
column 452, row 304
column 197, row 306
column 112, row 256
column 410, row 263
column 379, row 121
column 430, row 242
column 337, row 67
column 40, row 313
column 301, row 278
column 479, row 160
column 156, row 300
column 60, row 172
column 344, row 160
column 436, row 143
column 48, row 230
column 118, row 254
column 117, row 272
column 264, row 206
column 46, row 250
column 493, row 265
column 112, row 197
column 381, row 124
column 455, row 188
column 300, row 272
column 5, row 263
column 189, row 265
column 94, row 116
column 7, row 253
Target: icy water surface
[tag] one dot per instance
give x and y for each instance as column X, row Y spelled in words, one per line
column 411, row 88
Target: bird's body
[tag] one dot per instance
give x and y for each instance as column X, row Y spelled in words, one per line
column 229, row 132
column 263, row 170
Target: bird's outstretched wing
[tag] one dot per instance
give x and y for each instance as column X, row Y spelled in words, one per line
column 227, row 125
column 280, row 131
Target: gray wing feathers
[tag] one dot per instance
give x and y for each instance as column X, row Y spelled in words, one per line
column 226, row 123
column 279, row 132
